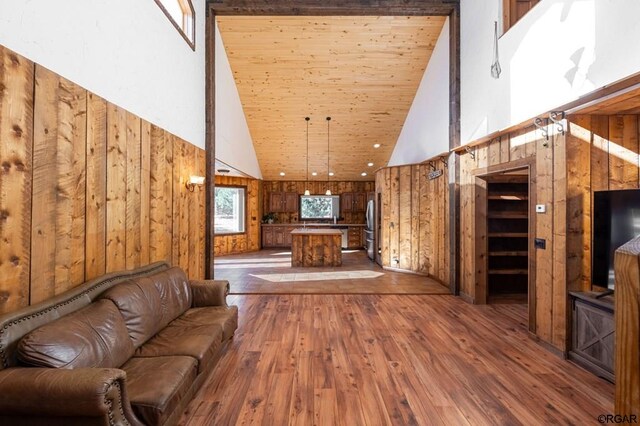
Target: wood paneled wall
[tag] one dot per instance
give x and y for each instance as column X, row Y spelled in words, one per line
column 86, row 188
column 316, row 187
column 546, row 162
column 602, row 154
column 250, row 240
column 596, row 153
column 415, row 219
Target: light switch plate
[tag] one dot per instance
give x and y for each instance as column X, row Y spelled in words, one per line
column 541, row 208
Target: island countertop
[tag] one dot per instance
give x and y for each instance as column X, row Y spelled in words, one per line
column 312, row 231
column 324, row 225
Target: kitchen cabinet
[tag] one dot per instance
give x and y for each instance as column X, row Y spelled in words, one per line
column 278, row 236
column 267, row 236
column 291, row 202
column 354, row 237
column 283, row 202
column 353, row 202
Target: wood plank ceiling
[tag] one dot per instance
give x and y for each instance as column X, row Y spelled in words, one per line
column 362, row 71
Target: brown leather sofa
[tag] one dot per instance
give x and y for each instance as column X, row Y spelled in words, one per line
column 130, row 347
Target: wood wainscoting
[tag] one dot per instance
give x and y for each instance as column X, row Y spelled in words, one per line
column 250, row 239
column 415, row 219
column 86, row 188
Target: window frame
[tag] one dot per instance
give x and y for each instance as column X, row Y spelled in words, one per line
column 337, row 197
column 246, row 212
column 189, row 3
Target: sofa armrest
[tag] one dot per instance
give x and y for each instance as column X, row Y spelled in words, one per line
column 85, row 392
column 209, row 292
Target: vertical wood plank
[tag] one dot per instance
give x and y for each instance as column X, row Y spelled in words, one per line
column 560, row 294
column 426, row 248
column 192, row 215
column 16, row 134
column 578, row 154
column 599, row 127
column 544, row 230
column 132, row 236
column 177, row 194
column 43, row 235
column 116, row 188
column 415, row 218
column 168, row 196
column 145, row 191
column 394, row 216
column 200, row 169
column 70, row 205
column 386, row 216
column 96, row 192
column 158, row 244
column 183, row 236
column 623, row 152
column 481, row 246
column 404, row 217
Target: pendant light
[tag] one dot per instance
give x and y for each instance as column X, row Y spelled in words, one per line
column 306, row 191
column 328, row 177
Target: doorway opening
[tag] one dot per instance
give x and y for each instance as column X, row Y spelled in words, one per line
column 504, row 244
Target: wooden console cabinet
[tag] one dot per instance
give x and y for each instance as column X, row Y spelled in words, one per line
column 593, row 333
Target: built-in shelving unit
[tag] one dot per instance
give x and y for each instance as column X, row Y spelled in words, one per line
column 508, row 237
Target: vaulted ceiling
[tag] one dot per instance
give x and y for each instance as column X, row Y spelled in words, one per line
column 361, row 71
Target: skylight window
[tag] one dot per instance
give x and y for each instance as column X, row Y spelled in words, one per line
column 182, row 16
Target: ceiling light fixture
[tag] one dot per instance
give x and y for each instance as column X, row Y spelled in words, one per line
column 306, row 191
column 331, row 173
column 363, row 174
column 328, row 173
column 314, row 174
column 376, row 145
column 370, row 164
column 281, row 173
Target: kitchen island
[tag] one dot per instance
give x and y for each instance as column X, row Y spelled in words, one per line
column 316, row 247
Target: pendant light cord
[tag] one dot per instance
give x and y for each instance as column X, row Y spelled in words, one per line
column 328, row 126
column 307, row 119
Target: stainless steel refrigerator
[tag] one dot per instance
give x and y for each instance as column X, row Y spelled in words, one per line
column 368, row 232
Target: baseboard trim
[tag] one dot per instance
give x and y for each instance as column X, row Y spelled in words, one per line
column 467, row 298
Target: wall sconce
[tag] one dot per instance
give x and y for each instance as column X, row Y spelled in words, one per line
column 195, row 181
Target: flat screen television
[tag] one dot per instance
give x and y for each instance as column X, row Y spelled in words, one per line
column 616, row 220
column 319, row 207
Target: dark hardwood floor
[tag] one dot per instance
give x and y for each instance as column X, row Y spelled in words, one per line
column 391, row 359
column 270, row 272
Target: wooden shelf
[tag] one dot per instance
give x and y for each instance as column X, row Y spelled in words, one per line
column 508, row 197
column 508, row 253
column 507, row 260
column 508, row 215
column 508, row 235
column 508, row 271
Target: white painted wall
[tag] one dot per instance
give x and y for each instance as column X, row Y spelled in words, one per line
column 425, row 132
column 124, row 51
column 234, row 145
column 560, row 50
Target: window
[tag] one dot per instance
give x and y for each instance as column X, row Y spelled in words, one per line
column 513, row 10
column 230, row 209
column 182, row 16
column 319, row 206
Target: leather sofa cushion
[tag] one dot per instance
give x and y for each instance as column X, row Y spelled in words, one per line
column 226, row 317
column 201, row 342
column 94, row 336
column 157, row 385
column 148, row 304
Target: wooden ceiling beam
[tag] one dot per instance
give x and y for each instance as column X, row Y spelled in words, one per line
column 334, row 7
